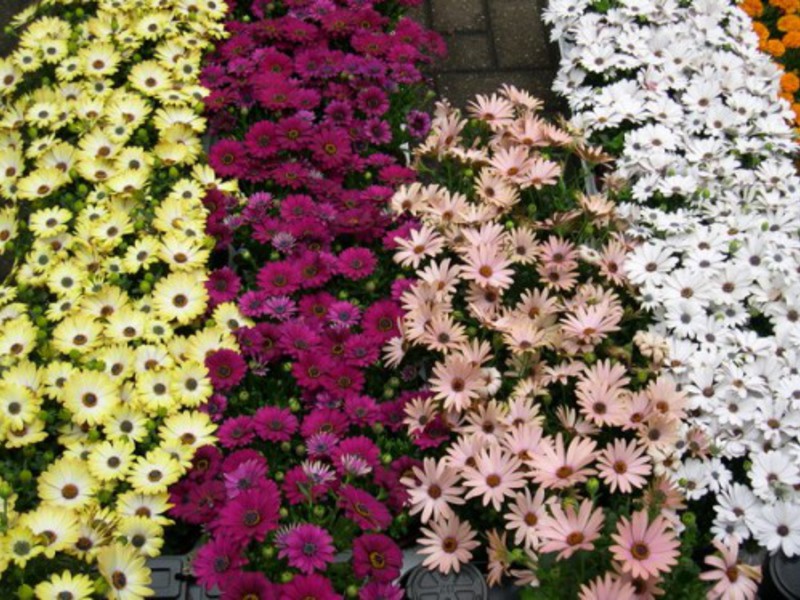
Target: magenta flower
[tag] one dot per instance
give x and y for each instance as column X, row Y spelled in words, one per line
column 236, row 432
column 376, row 556
column 228, row 158
column 250, row 586
column 246, row 476
column 252, row 514
column 223, row 286
column 309, row 587
column 356, row 263
column 376, row 590
column 364, row 509
column 226, row 368
column 278, row 279
column 215, row 561
column 275, row 424
column 307, row 547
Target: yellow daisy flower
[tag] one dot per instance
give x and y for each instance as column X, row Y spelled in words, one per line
column 90, row 396
column 125, row 571
column 118, row 361
column 65, row 585
column 126, row 424
column 18, row 338
column 191, row 385
column 41, row 183
column 18, row 405
column 153, row 391
column 181, row 296
column 22, row 545
column 138, row 504
column 154, row 472
column 66, row 280
column 149, row 77
column 125, row 324
column 49, row 221
column 99, row 60
column 80, row 332
column 193, row 429
column 142, row 254
column 56, row 526
column 111, row 460
column 182, row 253
column 144, row 534
column 68, row 483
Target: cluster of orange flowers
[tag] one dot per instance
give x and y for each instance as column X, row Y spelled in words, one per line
column 778, row 27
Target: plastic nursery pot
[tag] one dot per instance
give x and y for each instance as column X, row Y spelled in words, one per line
column 170, row 580
column 467, row 584
column 781, row 578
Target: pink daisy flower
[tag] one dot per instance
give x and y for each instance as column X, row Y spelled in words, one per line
column 376, row 556
column 456, row 382
column 306, row 547
column 624, row 465
column 496, row 475
column 448, row 544
column 734, row 580
column 312, row 586
column 645, row 549
column 524, row 516
column 607, row 587
column 433, row 489
column 486, row 266
column 363, row 509
column 566, row 532
column 558, row 468
column 226, row 368
column 252, row 514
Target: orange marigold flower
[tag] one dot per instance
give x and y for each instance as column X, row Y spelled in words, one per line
column 789, row 23
column 761, row 31
column 775, row 48
column 792, row 39
column 796, row 109
column 753, row 8
column 790, row 83
column 786, row 96
column 787, row 6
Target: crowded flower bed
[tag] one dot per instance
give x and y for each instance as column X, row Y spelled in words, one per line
column 266, row 305
column 104, row 329
column 706, row 145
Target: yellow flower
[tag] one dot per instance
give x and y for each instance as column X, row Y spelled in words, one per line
column 138, row 504
column 182, row 253
column 27, row 435
column 191, row 385
column 90, row 396
column 153, row 391
column 56, row 526
column 126, row 424
column 80, row 332
column 117, row 360
column 9, row 76
column 49, row 221
column 141, row 254
column 144, row 534
column 18, row 405
column 181, row 296
column 65, row 585
column 149, row 77
column 229, row 316
column 125, row 571
column 193, row 429
column 154, row 473
column 17, row 338
column 68, row 483
column 12, row 164
column 27, row 60
column 158, row 331
column 105, row 302
column 99, row 60
column 125, row 324
column 41, row 183
column 53, row 51
column 66, row 280
column 56, row 374
column 111, row 460
column 151, row 357
column 22, row 545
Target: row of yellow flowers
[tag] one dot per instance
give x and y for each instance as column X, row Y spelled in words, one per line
column 778, row 27
column 103, row 334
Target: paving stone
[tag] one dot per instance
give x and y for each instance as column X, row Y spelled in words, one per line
column 467, row 52
column 8, row 9
column 520, row 36
column 458, row 15
column 460, row 88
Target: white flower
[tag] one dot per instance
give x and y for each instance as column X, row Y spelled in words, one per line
column 777, row 526
column 772, row 472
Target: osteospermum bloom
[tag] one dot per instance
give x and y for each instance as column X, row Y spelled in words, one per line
column 524, row 517
column 607, row 587
column 496, row 475
column 376, row 556
column 252, row 514
column 432, row 489
column 307, row 547
column 487, row 266
column 448, row 543
column 644, row 548
column 557, row 467
column 623, row 465
column 567, row 531
column 66, row 585
column 734, row 580
column 125, row 571
column 364, row 509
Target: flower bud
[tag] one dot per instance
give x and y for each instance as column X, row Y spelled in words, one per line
column 592, row 485
column 25, row 592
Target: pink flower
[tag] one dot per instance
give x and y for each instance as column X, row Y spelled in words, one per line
column 624, row 466
column 222, row 285
column 309, row 587
column 356, row 263
column 307, row 547
column 363, row 509
column 734, row 580
column 496, row 475
column 376, row 556
column 448, row 544
column 607, row 587
column 567, row 532
column 643, row 549
column 252, row 514
column 216, row 560
column 432, row 490
column 525, row 515
column 226, row 368
column 558, row 468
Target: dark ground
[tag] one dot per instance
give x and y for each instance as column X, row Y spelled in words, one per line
column 490, row 42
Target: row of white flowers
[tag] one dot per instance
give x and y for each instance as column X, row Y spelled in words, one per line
column 708, row 150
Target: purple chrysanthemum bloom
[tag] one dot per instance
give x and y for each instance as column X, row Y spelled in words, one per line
column 376, row 556
column 307, row 547
column 281, row 308
column 419, row 124
column 252, row 303
column 215, row 407
column 376, row 590
column 222, row 285
column 378, row 131
column 283, row 241
column 226, row 368
column 321, row 444
column 216, row 560
column 343, row 314
column 249, row 585
column 313, row 586
column 245, row 477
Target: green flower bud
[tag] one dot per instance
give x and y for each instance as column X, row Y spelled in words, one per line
column 352, row 591
column 268, row 551
column 25, row 476
column 294, row 405
column 370, row 286
column 388, row 393
column 287, row 367
column 101, row 586
column 300, row 450
column 689, row 519
column 319, row 511
column 386, row 458
column 286, row 447
column 592, row 485
column 25, row 592
column 284, row 512
column 5, row 490
column 286, row 577
column 378, row 428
